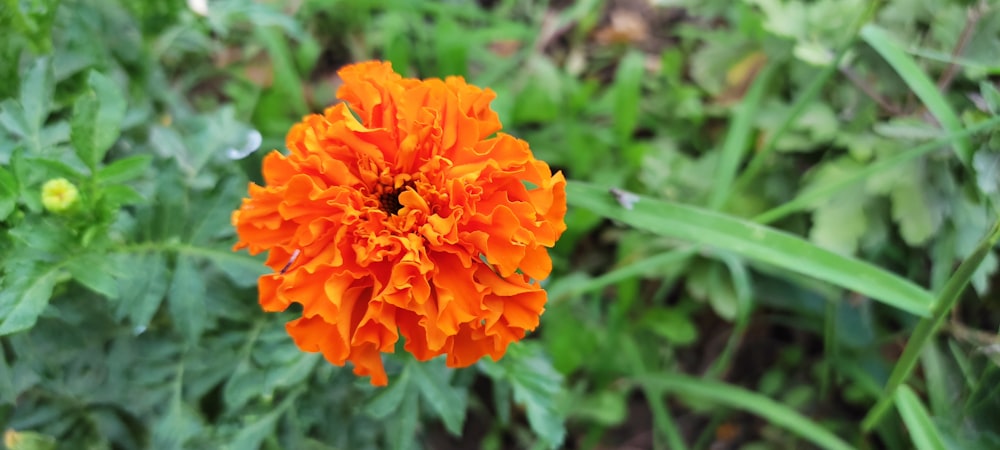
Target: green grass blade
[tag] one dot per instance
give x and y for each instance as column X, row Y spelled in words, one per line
column 929, row 325
column 809, row 197
column 756, row 242
column 662, row 419
column 738, row 138
column 920, row 84
column 775, row 413
column 923, row 432
column 631, row 270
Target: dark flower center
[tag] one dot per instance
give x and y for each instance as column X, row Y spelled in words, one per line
column 390, row 201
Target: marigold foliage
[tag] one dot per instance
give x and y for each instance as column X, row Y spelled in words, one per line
column 396, row 214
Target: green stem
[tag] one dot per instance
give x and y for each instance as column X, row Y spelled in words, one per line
column 928, row 327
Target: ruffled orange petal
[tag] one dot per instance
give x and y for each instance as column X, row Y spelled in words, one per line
column 394, row 215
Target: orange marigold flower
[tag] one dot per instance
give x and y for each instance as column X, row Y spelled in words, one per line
column 396, row 213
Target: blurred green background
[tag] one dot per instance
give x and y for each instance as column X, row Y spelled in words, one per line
column 863, row 134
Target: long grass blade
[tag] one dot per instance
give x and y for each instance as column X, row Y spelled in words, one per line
column 756, row 242
column 929, row 325
column 738, row 137
column 920, row 84
column 775, row 413
column 923, row 432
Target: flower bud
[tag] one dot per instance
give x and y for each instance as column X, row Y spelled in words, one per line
column 59, row 194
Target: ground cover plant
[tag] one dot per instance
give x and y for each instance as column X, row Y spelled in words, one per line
column 780, row 231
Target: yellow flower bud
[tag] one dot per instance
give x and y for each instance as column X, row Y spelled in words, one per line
column 59, row 194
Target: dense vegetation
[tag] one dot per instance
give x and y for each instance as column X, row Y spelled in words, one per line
column 780, row 235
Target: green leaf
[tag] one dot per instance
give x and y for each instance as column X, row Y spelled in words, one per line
column 920, row 84
column 918, row 216
column 839, row 224
column 7, row 393
column 991, row 97
column 124, row 169
column 537, row 387
column 8, row 193
column 286, row 76
column 212, row 213
column 987, row 165
column 815, row 193
column 403, row 430
column 773, row 412
column 24, row 118
column 738, row 138
column 95, row 272
column 627, row 90
column 387, row 401
column 676, row 326
column 36, row 93
column 240, row 268
column 186, row 299
column 144, row 282
column 119, row 194
column 23, row 299
column 447, row 401
column 97, row 119
column 250, row 436
column 922, row 430
column 755, row 242
column 451, row 47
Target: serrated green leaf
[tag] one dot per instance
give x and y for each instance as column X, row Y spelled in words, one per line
column 384, row 403
column 243, row 385
column 24, row 299
column 839, row 224
column 403, row 432
column 432, row 378
column 36, row 93
column 186, row 299
column 922, row 430
column 917, row 215
column 179, row 425
column 97, row 119
column 252, row 435
column 242, row 269
column 755, row 242
column 124, row 169
column 213, row 214
column 144, row 281
column 95, row 272
column 537, row 387
column 8, row 193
